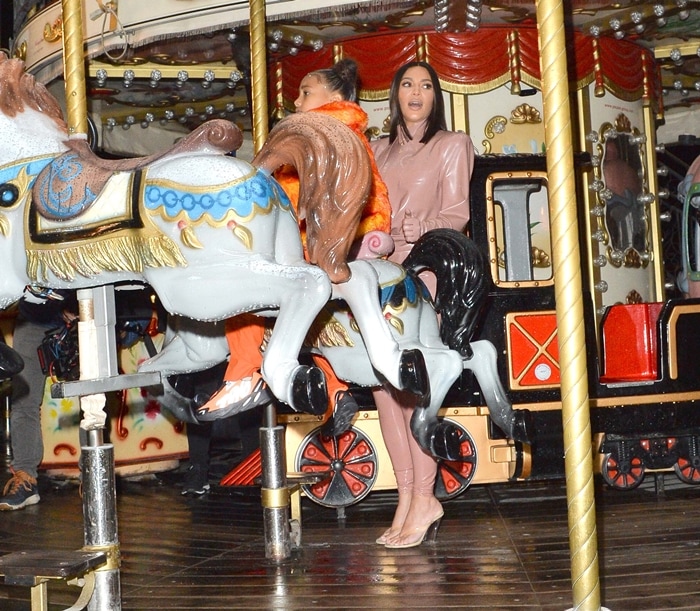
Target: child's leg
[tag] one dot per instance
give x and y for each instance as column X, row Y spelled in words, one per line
column 243, row 386
column 244, row 334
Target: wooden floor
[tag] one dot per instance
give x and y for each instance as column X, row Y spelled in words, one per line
column 501, row 547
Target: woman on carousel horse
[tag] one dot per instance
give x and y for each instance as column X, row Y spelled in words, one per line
column 333, row 92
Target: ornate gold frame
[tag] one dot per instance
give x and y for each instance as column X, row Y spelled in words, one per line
column 626, row 255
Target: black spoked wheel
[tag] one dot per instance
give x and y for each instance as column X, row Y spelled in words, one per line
column 687, row 469
column 350, row 459
column 622, row 474
column 687, row 466
column 454, row 476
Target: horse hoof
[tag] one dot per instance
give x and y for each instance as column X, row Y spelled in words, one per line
column 344, row 411
column 413, row 375
column 11, row 362
column 522, row 426
column 309, row 393
column 445, row 442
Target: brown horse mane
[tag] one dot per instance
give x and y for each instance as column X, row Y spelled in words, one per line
column 335, row 177
column 19, row 90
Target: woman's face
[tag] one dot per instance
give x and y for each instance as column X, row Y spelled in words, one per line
column 416, row 96
column 314, row 92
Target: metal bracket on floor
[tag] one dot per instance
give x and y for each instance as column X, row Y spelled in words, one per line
column 295, row 481
column 36, row 569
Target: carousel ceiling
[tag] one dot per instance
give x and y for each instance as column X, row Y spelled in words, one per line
column 176, row 63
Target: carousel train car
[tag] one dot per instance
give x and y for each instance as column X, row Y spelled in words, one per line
column 643, row 383
column 642, row 379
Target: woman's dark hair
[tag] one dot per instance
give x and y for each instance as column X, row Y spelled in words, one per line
column 342, row 77
column 436, row 119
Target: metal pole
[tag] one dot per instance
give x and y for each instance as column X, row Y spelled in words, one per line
column 258, row 70
column 274, row 490
column 6, row 447
column 569, row 307
column 96, row 356
column 100, row 519
column 98, row 359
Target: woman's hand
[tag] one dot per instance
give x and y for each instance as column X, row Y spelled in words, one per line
column 412, row 228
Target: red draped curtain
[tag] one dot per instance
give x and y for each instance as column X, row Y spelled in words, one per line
column 473, row 62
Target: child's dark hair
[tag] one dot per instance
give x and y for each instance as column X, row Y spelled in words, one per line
column 342, row 77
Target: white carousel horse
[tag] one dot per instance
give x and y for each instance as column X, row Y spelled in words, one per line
column 213, row 235
column 462, row 286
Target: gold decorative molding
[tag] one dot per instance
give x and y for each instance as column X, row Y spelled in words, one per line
column 53, row 33
column 531, row 129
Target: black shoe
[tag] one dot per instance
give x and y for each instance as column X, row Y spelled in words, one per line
column 196, row 481
column 229, row 401
column 344, row 411
column 20, row 491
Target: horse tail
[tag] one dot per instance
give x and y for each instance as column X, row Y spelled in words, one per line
column 335, row 177
column 462, row 282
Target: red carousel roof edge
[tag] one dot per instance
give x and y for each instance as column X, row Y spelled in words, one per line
column 625, row 68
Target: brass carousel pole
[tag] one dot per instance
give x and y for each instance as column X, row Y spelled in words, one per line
column 74, row 68
column 258, row 69
column 569, row 307
column 273, row 490
column 97, row 357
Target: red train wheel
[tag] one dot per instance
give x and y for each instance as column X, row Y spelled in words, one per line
column 688, row 469
column 351, row 459
column 454, row 476
column 622, row 475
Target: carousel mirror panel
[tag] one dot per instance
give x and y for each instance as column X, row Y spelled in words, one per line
column 622, row 199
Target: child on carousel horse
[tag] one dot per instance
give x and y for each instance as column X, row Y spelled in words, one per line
column 333, row 92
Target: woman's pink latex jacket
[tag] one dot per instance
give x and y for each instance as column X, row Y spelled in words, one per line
column 430, row 181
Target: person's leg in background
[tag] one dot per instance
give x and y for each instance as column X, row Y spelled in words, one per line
column 196, row 480
column 25, row 420
column 415, row 471
column 390, row 412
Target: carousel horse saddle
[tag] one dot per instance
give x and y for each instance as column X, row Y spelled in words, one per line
column 11, row 362
column 72, row 182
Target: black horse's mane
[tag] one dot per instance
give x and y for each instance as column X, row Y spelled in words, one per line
column 462, row 282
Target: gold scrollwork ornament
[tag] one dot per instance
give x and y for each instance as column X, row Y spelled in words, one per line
column 53, row 33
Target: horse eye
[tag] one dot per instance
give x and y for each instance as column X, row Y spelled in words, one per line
column 9, row 194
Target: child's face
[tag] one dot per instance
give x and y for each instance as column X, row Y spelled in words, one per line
column 314, row 92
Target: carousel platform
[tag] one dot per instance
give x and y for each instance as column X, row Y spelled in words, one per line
column 501, row 547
